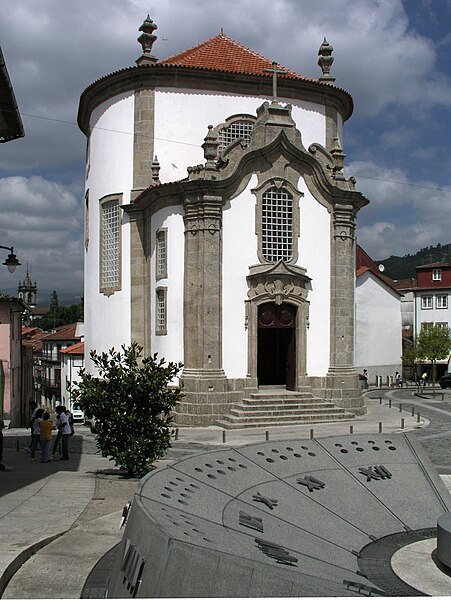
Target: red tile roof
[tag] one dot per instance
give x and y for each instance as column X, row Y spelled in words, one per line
column 65, row 332
column 78, row 349
column 222, row 53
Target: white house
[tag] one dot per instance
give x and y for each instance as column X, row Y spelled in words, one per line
column 219, row 225
column 72, row 360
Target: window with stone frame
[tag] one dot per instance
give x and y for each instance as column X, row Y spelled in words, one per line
column 161, row 310
column 277, row 225
column 110, row 245
column 234, row 128
column 426, row 302
column 436, row 274
column 161, row 257
column 441, row 301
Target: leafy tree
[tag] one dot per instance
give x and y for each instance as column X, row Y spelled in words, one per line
column 130, row 404
column 61, row 315
column 433, row 344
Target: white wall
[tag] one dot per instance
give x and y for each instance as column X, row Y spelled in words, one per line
column 239, row 253
column 107, row 319
column 314, row 255
column 378, row 327
column 169, row 346
column 182, row 118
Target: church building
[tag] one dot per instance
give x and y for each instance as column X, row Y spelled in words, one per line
column 220, row 230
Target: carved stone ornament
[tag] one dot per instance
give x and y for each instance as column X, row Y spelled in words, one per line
column 325, row 61
column 147, row 40
column 277, row 282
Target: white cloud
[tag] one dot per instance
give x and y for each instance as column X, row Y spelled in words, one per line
column 42, row 220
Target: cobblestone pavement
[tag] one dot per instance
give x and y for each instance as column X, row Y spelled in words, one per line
column 436, row 437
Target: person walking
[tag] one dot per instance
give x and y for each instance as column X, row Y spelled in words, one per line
column 63, row 425
column 424, row 379
column 36, row 432
column 45, row 428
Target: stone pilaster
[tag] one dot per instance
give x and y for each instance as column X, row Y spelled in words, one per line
column 205, row 383
column 140, row 252
column 143, row 140
column 140, row 281
column 342, row 380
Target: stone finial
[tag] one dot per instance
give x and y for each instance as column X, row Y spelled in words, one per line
column 210, row 146
column 155, row 169
column 325, row 61
column 339, row 159
column 147, row 39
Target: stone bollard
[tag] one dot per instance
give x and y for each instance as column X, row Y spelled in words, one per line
column 224, row 436
column 380, row 426
column 267, row 436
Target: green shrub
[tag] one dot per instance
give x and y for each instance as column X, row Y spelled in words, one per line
column 130, row 405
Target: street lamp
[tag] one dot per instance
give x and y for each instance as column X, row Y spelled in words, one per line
column 11, row 262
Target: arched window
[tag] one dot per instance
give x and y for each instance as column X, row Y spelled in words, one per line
column 239, row 127
column 277, row 225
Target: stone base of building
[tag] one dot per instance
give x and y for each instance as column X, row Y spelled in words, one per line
column 208, row 396
column 340, row 386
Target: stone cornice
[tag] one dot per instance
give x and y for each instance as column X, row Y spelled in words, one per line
column 166, row 76
column 318, row 177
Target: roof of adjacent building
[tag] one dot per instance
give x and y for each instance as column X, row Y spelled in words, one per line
column 365, row 264
column 77, row 349
column 435, row 265
column 65, row 332
column 11, row 126
column 222, row 53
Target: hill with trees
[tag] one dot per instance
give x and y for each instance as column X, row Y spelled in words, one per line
column 403, row 267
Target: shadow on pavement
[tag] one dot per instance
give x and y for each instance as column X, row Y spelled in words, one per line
column 27, row 472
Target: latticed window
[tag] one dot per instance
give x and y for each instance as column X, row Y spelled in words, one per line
column 277, row 225
column 234, row 131
column 162, row 254
column 110, row 245
column 161, row 311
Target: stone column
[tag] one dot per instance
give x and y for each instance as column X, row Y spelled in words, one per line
column 203, row 294
column 140, row 251
column 342, row 379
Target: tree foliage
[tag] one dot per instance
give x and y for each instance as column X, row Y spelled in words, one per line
column 433, row 343
column 61, row 315
column 130, row 404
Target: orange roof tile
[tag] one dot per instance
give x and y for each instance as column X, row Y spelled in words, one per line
column 74, row 349
column 65, row 332
column 222, row 53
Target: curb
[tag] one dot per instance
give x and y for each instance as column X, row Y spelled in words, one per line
column 22, row 558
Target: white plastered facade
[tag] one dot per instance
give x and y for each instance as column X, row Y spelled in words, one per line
column 378, row 346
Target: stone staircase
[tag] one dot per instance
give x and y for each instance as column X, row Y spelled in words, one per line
column 274, row 406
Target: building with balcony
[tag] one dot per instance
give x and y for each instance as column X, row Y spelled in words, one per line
column 52, row 345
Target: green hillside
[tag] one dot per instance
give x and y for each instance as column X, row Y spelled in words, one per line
column 402, row 267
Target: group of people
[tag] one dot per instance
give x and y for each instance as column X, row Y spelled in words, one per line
column 42, row 433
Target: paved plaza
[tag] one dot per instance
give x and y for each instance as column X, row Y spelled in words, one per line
column 61, row 518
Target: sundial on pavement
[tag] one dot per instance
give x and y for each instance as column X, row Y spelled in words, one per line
column 288, row 518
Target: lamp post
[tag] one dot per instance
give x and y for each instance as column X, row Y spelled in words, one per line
column 11, row 262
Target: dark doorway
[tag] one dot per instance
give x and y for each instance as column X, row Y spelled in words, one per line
column 276, row 362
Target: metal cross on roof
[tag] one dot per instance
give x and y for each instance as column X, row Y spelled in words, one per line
column 275, row 72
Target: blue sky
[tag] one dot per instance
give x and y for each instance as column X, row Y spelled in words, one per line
column 391, row 55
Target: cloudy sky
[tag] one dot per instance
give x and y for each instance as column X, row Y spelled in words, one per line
column 391, row 55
